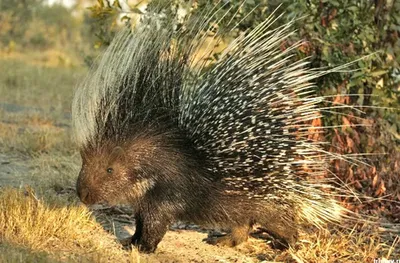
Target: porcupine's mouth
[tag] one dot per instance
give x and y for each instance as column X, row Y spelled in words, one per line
column 101, row 203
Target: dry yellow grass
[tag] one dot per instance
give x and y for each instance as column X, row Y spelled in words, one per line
column 12, row 254
column 345, row 246
column 62, row 232
column 337, row 245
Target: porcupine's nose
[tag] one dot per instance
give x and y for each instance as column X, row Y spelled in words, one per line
column 82, row 191
column 83, row 194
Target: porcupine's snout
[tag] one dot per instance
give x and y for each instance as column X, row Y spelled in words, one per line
column 82, row 190
column 86, row 189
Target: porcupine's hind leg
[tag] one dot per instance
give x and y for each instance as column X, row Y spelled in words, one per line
column 283, row 232
column 277, row 219
column 237, row 235
column 281, row 223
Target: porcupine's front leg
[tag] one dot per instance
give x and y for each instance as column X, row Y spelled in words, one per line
column 149, row 232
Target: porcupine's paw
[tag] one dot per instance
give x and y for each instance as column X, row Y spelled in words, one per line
column 283, row 238
column 237, row 236
column 126, row 242
column 285, row 242
column 148, row 245
column 134, row 241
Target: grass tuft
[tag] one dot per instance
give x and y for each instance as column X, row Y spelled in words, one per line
column 69, row 231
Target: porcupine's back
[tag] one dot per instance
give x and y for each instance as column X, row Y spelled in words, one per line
column 246, row 114
column 251, row 115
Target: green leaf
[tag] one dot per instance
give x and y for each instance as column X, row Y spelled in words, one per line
column 378, row 73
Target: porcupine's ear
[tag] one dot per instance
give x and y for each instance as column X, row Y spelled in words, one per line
column 117, row 154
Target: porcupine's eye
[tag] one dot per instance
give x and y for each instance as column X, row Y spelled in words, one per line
column 110, row 170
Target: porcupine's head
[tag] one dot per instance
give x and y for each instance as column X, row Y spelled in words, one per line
column 104, row 167
column 117, row 174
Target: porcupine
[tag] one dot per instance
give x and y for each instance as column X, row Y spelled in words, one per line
column 225, row 144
